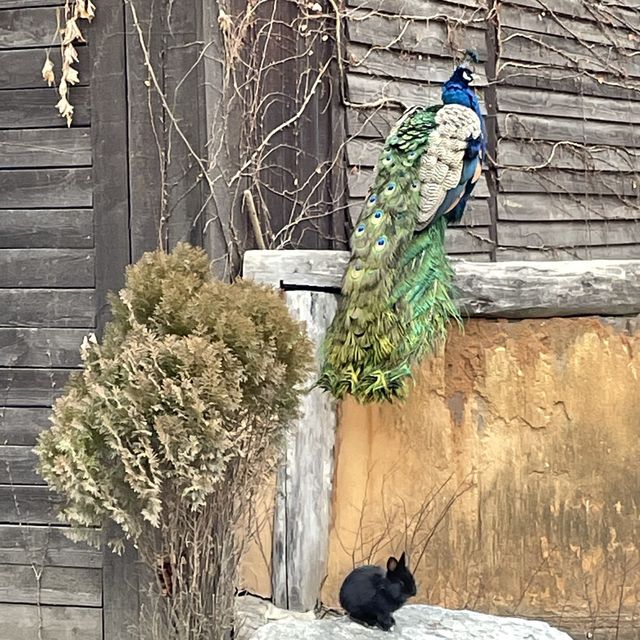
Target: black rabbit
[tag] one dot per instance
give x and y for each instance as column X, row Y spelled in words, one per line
column 370, row 596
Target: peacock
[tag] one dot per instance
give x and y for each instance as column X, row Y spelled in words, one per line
column 397, row 292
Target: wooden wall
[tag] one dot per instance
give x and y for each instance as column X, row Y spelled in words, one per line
column 561, row 85
column 76, row 206
column 48, row 275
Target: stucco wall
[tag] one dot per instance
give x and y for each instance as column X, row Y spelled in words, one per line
column 535, row 426
column 519, row 447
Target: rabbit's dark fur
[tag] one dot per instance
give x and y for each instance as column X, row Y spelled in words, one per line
column 370, row 596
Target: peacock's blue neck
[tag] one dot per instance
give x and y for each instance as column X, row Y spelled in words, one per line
column 455, row 91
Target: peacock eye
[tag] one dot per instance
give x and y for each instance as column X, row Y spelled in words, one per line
column 391, row 187
column 373, row 198
column 411, row 155
column 381, row 242
column 360, row 229
column 415, row 185
column 378, row 214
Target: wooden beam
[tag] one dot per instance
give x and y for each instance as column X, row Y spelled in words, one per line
column 39, row 268
column 22, row 69
column 18, row 466
column 35, row 188
column 25, row 27
column 21, row 426
column 22, row 4
column 623, row 251
column 564, row 80
column 46, row 228
column 73, row 308
column 565, row 53
column 31, row 387
column 365, row 89
column 541, row 235
column 495, row 290
column 116, row 218
column 524, row 126
column 402, row 33
column 28, row 505
column 21, row 148
column 567, row 155
column 41, row 347
column 184, row 85
column 412, row 66
column 145, row 125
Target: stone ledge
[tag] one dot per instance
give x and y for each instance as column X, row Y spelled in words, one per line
column 415, row 622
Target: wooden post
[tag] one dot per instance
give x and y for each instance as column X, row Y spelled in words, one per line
column 303, row 503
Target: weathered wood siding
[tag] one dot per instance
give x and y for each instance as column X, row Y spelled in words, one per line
column 47, row 304
column 561, row 86
column 568, row 106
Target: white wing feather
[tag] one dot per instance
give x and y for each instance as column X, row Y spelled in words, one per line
column 441, row 165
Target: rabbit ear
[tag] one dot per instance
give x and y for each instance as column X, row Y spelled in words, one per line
column 403, row 560
column 392, row 564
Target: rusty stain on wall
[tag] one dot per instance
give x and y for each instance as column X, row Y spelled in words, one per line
column 510, row 474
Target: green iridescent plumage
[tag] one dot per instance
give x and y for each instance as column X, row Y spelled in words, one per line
column 397, row 290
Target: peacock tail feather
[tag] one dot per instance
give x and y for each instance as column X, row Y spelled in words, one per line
column 397, row 293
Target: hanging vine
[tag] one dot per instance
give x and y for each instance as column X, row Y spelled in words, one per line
column 70, row 34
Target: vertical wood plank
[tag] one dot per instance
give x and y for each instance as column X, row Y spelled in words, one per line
column 109, row 144
column 491, row 101
column 303, row 505
column 224, row 222
column 145, row 126
column 120, row 592
column 301, row 193
column 184, row 84
column 111, row 208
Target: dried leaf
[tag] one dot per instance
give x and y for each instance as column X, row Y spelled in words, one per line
column 47, row 72
column 66, row 110
column 63, row 88
column 224, row 21
column 70, row 75
column 85, row 10
column 69, row 54
column 71, row 32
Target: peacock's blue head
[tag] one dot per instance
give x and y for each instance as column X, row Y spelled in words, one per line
column 456, row 89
